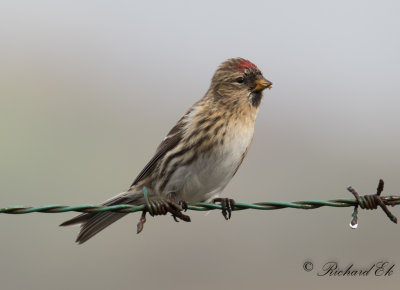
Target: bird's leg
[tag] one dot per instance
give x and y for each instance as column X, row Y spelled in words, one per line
column 227, row 205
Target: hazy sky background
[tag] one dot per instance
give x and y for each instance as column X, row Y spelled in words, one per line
column 88, row 89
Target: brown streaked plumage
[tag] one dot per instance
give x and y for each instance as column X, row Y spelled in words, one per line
column 200, row 154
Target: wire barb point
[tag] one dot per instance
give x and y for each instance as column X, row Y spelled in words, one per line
column 370, row 201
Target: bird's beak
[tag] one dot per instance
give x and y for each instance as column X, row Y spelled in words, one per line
column 261, row 84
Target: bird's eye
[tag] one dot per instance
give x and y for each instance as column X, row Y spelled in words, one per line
column 240, row 80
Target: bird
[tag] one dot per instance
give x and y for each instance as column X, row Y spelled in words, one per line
column 199, row 155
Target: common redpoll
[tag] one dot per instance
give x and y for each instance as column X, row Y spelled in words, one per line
column 200, row 154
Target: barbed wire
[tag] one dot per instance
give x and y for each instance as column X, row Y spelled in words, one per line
column 202, row 206
column 371, row 201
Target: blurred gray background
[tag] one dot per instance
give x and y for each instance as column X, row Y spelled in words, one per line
column 88, row 89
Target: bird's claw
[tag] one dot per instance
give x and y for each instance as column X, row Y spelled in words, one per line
column 177, row 213
column 162, row 207
column 227, row 204
column 184, row 205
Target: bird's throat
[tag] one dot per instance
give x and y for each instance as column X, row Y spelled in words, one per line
column 255, row 99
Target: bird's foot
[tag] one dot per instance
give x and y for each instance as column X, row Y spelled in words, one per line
column 176, row 209
column 162, row 206
column 227, row 205
column 182, row 203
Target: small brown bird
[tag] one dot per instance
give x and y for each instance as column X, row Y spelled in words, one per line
column 200, row 154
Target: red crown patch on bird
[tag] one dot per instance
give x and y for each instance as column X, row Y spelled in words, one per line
column 245, row 64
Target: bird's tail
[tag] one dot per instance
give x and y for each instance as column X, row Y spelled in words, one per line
column 93, row 223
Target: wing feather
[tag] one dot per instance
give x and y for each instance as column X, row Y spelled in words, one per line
column 171, row 141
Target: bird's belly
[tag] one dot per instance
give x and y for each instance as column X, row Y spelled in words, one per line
column 208, row 175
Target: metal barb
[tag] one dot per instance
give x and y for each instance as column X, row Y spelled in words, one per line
column 354, row 220
column 381, row 184
column 141, row 222
column 370, row 201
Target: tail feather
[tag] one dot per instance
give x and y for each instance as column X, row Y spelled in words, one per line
column 96, row 224
column 77, row 220
column 93, row 223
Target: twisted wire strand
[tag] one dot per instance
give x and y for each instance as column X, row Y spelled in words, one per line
column 162, row 207
column 202, row 206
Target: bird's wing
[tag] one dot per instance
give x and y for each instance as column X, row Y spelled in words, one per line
column 173, row 138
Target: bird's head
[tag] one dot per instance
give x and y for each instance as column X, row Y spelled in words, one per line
column 239, row 80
